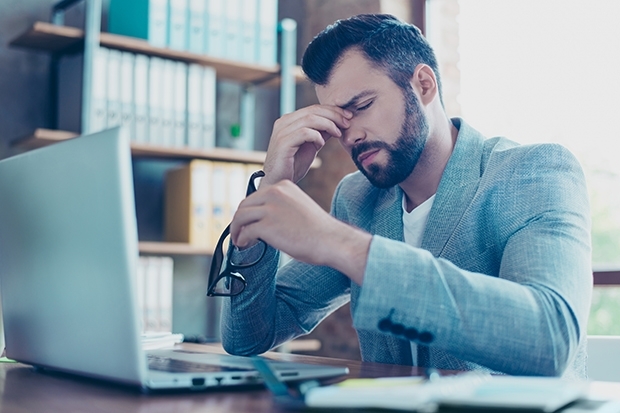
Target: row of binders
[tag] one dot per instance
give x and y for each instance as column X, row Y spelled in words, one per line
column 154, row 288
column 201, row 198
column 157, row 101
column 242, row 30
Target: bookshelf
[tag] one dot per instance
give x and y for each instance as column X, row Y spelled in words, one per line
column 60, row 39
column 48, row 37
column 43, row 137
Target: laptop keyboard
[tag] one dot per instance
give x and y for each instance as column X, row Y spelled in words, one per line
column 182, row 366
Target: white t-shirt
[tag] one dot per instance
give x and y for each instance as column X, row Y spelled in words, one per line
column 414, row 223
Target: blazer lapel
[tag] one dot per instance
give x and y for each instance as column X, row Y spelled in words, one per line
column 456, row 189
column 388, row 214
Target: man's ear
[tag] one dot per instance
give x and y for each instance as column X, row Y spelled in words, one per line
column 425, row 83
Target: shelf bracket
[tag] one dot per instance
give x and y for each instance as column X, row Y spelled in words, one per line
column 288, row 57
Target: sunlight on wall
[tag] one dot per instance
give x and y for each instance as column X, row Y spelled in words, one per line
column 547, row 71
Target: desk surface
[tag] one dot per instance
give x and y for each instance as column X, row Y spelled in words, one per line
column 22, row 389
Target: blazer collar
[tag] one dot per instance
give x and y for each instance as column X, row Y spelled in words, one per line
column 457, row 187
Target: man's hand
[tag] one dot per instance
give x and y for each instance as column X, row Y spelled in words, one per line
column 296, row 139
column 286, row 218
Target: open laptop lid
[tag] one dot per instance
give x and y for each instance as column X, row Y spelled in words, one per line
column 68, row 249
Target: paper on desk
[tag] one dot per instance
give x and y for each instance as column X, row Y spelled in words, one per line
column 153, row 341
column 545, row 394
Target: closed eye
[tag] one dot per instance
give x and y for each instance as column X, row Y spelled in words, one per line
column 364, row 106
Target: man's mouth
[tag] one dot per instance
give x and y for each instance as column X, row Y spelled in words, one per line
column 365, row 158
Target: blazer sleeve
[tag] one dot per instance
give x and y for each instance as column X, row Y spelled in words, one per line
column 527, row 319
column 280, row 304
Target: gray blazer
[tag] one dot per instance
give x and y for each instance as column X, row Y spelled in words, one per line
column 502, row 281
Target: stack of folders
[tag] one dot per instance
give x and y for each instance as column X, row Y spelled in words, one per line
column 201, row 199
column 156, row 101
column 154, row 288
column 242, row 30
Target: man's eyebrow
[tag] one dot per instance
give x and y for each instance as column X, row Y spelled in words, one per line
column 356, row 99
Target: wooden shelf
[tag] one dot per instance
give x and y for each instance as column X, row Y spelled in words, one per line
column 43, row 137
column 53, row 38
column 172, row 248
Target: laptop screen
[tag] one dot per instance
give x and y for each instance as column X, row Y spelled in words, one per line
column 68, row 247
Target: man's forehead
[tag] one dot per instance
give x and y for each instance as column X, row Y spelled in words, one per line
column 353, row 77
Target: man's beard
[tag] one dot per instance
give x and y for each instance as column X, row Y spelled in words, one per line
column 404, row 154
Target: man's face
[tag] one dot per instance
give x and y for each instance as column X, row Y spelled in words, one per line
column 388, row 130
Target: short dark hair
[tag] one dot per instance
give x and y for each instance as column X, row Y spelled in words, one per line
column 389, row 43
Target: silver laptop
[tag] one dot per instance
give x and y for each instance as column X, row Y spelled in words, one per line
column 68, row 253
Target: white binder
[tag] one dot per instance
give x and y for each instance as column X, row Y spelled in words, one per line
column 209, row 83
column 196, row 28
column 177, row 29
column 215, row 33
column 127, row 117
column 249, row 31
column 194, row 99
column 233, row 30
column 141, row 98
column 114, row 89
column 180, row 104
column 156, row 70
column 268, row 32
column 167, row 105
column 158, row 22
column 98, row 104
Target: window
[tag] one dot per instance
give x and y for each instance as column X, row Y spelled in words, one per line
column 544, row 71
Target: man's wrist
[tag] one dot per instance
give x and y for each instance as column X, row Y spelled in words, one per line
column 350, row 251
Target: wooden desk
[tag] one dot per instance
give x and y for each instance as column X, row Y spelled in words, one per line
column 24, row 390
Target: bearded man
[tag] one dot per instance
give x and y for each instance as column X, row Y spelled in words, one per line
column 456, row 251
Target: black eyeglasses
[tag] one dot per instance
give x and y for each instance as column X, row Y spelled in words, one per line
column 229, row 282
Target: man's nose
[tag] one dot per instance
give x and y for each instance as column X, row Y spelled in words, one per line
column 353, row 135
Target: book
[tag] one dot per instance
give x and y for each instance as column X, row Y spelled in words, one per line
column 154, row 287
column 113, row 105
column 155, row 93
column 237, row 179
column 141, row 98
column 220, row 212
column 208, row 106
column 233, row 37
column 472, row 390
column 215, row 30
column 188, row 199
column 144, row 19
column 201, row 89
column 177, row 24
column 167, row 103
column 127, row 107
column 249, row 31
column 179, row 135
column 164, row 303
column 196, row 27
column 154, row 340
column 194, row 103
column 151, row 294
column 140, row 292
column 268, row 32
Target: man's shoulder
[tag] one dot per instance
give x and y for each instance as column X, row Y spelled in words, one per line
column 502, row 153
column 356, row 197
